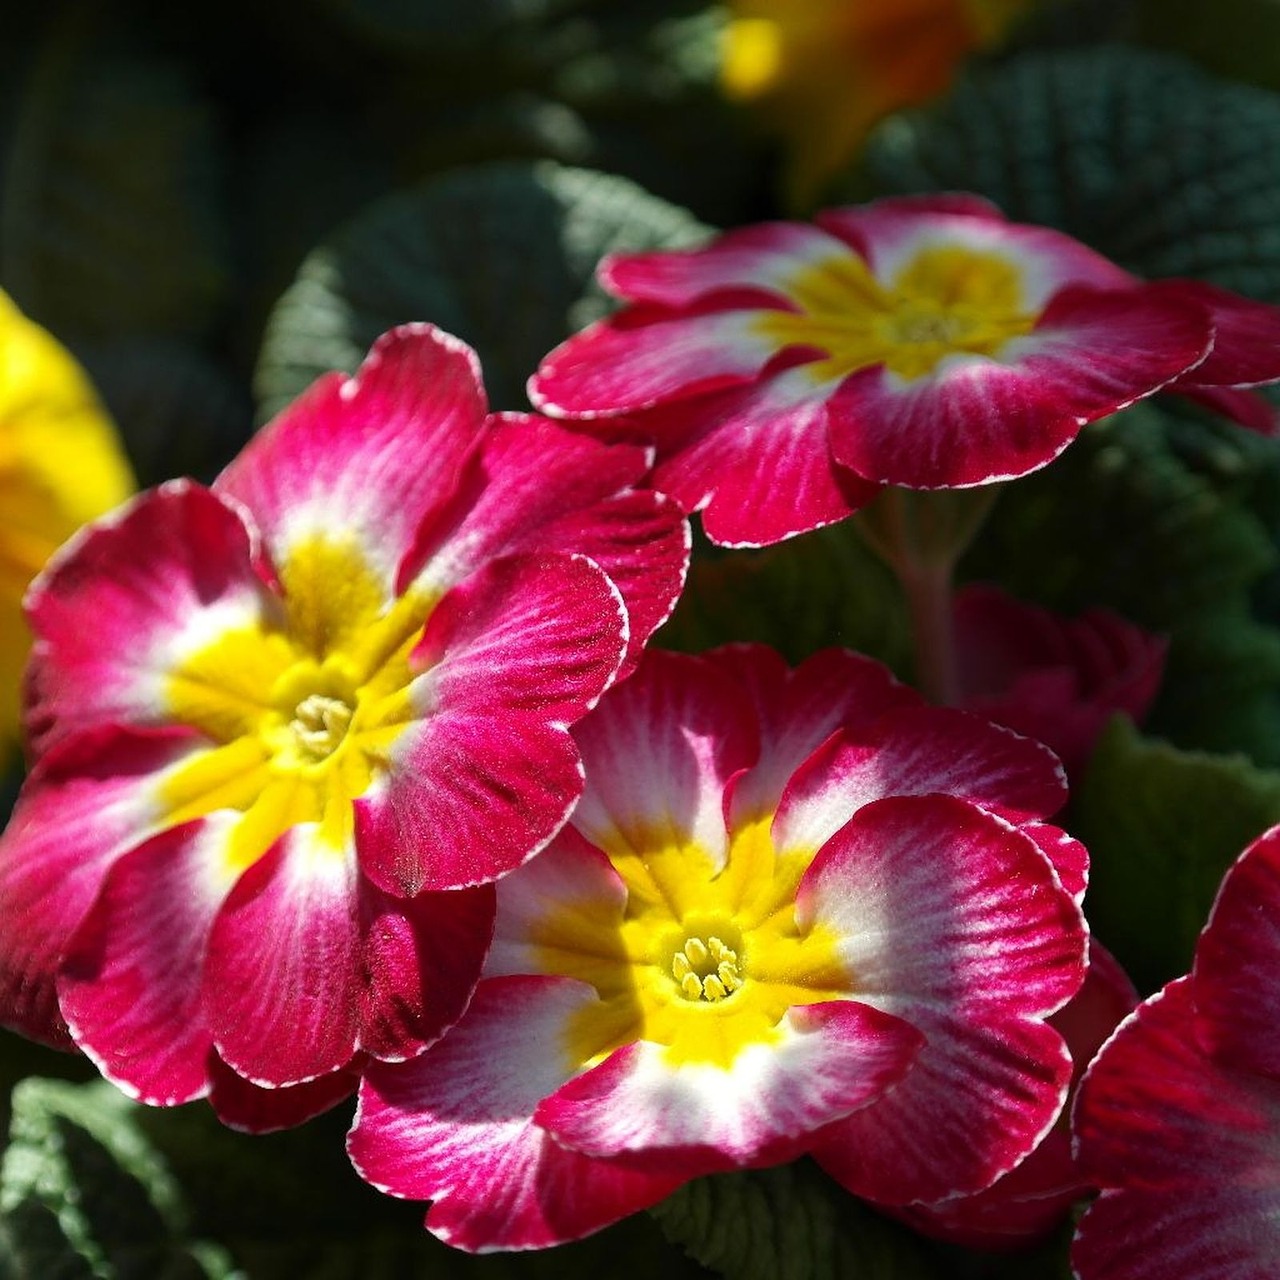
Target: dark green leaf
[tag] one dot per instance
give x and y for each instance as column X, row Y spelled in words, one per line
column 82, row 1192
column 501, row 255
column 1162, row 826
column 1162, row 167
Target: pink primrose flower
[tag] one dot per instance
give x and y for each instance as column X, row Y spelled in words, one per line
column 794, row 911
column 1035, row 1196
column 289, row 729
column 1177, row 1120
column 788, row 371
column 1056, row 679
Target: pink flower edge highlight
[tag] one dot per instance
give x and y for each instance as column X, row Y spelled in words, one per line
column 574, row 1057
column 382, row 525
column 1176, row 1118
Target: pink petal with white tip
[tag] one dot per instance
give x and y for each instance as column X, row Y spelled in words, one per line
column 953, row 922
column 489, row 772
column 916, row 751
column 131, row 984
column 370, row 456
column 282, row 974
column 659, row 758
column 827, row 1061
column 455, row 1126
column 253, row 1109
column 161, row 578
column 85, row 803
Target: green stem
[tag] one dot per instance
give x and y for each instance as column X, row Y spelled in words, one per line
column 928, row 591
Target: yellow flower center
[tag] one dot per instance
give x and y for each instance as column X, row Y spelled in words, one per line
column 947, row 300
column 301, row 709
column 702, row 960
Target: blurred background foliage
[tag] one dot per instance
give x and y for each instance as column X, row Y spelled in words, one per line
column 211, row 203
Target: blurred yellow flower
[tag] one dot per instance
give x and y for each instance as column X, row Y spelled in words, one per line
column 60, row 465
column 824, row 71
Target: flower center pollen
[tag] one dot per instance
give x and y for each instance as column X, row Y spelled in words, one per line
column 706, row 970
column 319, row 725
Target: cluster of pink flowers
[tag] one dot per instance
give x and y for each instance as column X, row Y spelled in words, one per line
column 354, row 769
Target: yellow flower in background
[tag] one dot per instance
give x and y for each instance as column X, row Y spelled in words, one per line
column 824, row 71
column 60, row 465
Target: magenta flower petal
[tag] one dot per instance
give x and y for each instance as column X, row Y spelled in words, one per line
column 541, row 488
column 456, row 1126
column 1183, row 1147
column 170, row 569
column 953, row 922
column 1247, row 408
column 130, row 985
column 632, row 361
column 385, row 447
column 1246, row 344
column 511, row 656
column 829, row 1060
column 253, row 1109
column 422, row 956
column 73, row 819
column 754, row 459
column 916, row 751
column 977, row 419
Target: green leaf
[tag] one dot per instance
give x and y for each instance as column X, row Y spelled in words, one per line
column 501, row 255
column 800, row 596
column 792, row 1223
column 1162, row 167
column 111, row 218
column 1162, row 826
column 83, row 1193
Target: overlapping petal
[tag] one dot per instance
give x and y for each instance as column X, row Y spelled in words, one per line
column 952, row 921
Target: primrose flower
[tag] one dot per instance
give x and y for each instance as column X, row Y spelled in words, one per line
column 787, row 372
column 822, row 72
column 794, row 911
column 60, row 465
column 290, row 728
column 1176, row 1120
column 1056, row 679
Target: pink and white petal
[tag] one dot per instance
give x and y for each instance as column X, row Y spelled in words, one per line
column 422, row 958
column 799, row 710
column 978, row 419
column 747, row 262
column 367, row 457
column 131, row 983
column 1247, row 408
column 644, row 356
column 1237, row 964
column 282, row 977
column 756, row 461
column 659, row 753
column 253, row 1109
column 697, row 1118
column 1069, row 857
column 954, row 922
column 916, row 751
column 542, row 488
column 489, row 773
column 891, row 233
column 162, row 577
column 86, row 801
column 1184, row 1150
column 1246, row 343
column 456, row 1126
column 569, row 880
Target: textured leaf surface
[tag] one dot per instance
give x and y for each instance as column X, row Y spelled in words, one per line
column 83, row 1193
column 502, row 255
column 1162, row 826
column 1161, row 166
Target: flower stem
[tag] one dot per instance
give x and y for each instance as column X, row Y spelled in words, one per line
column 927, row 588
